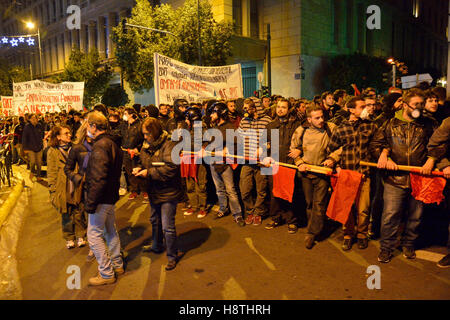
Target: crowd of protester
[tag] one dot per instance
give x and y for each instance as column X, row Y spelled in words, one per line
column 94, row 157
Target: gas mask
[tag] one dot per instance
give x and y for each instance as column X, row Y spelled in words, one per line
column 125, row 118
column 416, row 113
column 89, row 134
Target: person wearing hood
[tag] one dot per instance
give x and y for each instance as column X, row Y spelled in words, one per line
column 281, row 210
column 402, row 140
column 61, row 197
column 250, row 130
column 391, row 103
column 164, row 188
column 178, row 120
column 102, row 190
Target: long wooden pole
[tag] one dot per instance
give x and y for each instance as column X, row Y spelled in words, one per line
column 402, row 168
column 311, row 168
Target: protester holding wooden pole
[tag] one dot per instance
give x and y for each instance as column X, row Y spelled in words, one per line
column 402, row 140
column 309, row 147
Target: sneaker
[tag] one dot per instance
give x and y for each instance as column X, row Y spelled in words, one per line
column 220, row 214
column 70, row 244
column 240, row 221
column 98, row 280
column 189, row 212
column 201, row 214
column 249, row 219
column 171, row 265
column 272, row 224
column 145, row 195
column 119, row 271
column 347, row 244
column 292, row 228
column 309, row 241
column 409, row 253
column 133, row 196
column 122, row 191
column 81, row 242
column 149, row 248
column 385, row 256
column 90, row 257
column 363, row 243
column 444, row 262
column 257, row 220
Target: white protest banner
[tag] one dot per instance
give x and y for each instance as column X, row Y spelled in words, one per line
column 174, row 79
column 40, row 97
column 7, row 106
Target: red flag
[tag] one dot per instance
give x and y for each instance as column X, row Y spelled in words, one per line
column 427, row 189
column 188, row 167
column 346, row 189
column 283, row 183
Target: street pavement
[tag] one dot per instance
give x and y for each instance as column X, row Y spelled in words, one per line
column 222, row 261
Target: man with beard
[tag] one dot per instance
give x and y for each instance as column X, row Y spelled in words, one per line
column 281, row 210
column 327, row 102
column 391, row 104
column 309, row 147
column 402, row 141
column 234, row 117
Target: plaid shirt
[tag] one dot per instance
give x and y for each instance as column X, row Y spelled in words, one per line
column 354, row 138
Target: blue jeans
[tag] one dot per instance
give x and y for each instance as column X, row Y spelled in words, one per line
column 102, row 224
column 226, row 191
column 162, row 218
column 396, row 202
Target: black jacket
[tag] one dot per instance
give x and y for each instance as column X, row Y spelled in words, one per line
column 285, row 130
column 103, row 172
column 164, row 182
column 32, row 137
column 132, row 136
column 76, row 156
column 406, row 143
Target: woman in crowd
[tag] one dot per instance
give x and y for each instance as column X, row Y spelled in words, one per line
column 75, row 170
column 164, row 187
column 61, row 197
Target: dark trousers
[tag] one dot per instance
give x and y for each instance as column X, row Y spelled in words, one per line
column 196, row 190
column 162, row 218
column 251, row 176
column 74, row 222
column 397, row 202
column 136, row 184
column 315, row 189
column 281, row 210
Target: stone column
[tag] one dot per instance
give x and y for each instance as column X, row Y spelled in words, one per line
column 61, row 57
column 111, row 24
column 246, row 18
column 67, row 46
column 75, row 38
column 101, row 37
column 91, row 35
column 83, row 38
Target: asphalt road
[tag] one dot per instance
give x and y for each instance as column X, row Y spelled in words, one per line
column 222, row 262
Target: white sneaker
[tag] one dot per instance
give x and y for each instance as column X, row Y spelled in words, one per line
column 70, row 244
column 122, row 191
column 81, row 242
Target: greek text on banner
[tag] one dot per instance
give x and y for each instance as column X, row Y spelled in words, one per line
column 175, row 80
column 40, row 97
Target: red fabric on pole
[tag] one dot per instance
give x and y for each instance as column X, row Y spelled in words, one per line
column 283, row 183
column 188, row 167
column 427, row 189
column 346, row 189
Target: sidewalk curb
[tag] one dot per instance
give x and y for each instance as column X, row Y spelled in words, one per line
column 8, row 206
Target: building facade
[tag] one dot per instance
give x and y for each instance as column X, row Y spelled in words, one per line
column 305, row 34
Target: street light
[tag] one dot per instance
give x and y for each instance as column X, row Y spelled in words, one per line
column 30, row 25
column 392, row 61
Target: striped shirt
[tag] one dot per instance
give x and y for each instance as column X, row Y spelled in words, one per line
column 251, row 130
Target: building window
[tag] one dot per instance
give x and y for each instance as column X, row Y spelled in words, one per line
column 254, row 21
column 237, row 16
column 416, row 8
